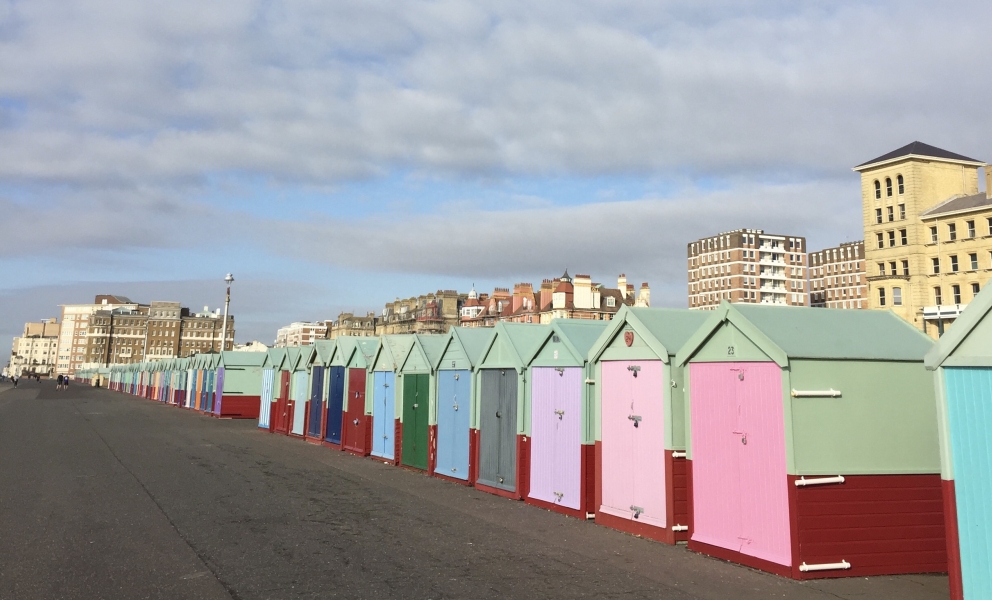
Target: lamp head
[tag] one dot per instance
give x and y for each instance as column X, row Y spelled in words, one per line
column 229, row 279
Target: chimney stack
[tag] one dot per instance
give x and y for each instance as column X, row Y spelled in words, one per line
column 622, row 284
column 988, row 181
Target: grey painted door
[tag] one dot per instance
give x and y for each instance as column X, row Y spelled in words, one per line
column 498, row 429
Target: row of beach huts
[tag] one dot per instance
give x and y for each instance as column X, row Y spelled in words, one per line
column 804, row 442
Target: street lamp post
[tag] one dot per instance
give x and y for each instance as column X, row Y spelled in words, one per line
column 227, row 303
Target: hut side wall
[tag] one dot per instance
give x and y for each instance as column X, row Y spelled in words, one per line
column 883, row 423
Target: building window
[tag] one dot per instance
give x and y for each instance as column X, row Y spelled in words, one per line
column 990, row 226
column 892, row 214
column 896, row 296
column 974, row 290
column 954, row 264
column 952, row 231
column 902, row 211
column 933, row 235
column 881, row 296
column 904, row 237
column 881, row 240
column 956, row 290
column 888, row 186
column 905, row 268
column 878, row 190
column 936, row 295
column 892, row 267
column 892, row 239
column 881, row 268
column 971, row 229
column 899, row 181
column 878, row 215
column 974, row 260
column 936, row 266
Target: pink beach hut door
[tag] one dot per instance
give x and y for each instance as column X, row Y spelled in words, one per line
column 555, row 437
column 740, row 493
column 633, row 445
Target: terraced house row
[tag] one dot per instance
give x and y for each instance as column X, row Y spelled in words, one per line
column 807, row 442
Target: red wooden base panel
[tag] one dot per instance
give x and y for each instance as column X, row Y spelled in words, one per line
column 677, row 469
column 240, row 407
column 473, row 456
column 953, row 542
column 398, row 436
column 523, row 466
column 331, row 445
column 881, row 524
column 355, row 438
column 431, row 448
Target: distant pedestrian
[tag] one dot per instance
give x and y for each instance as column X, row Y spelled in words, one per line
column 58, row 383
column 14, row 380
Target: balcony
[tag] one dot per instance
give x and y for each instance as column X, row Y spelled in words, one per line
column 943, row 311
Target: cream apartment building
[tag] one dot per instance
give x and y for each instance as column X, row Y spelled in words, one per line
column 927, row 234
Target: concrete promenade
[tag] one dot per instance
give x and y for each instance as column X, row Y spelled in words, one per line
column 104, row 495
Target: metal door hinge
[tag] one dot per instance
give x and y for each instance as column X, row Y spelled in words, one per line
column 560, row 414
column 635, row 418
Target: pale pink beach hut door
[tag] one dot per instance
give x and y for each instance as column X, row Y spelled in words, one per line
column 633, row 441
column 740, row 486
column 556, row 459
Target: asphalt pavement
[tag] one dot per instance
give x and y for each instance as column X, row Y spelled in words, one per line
column 103, row 495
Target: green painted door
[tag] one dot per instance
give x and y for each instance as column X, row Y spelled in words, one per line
column 415, row 410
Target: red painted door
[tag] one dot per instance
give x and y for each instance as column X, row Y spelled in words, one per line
column 355, row 438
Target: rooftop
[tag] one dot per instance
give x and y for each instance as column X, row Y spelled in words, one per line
column 918, row 149
column 958, row 204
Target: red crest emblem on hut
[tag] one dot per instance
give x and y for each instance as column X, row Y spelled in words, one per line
column 628, row 337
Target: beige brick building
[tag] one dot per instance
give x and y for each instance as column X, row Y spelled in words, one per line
column 301, row 333
column 923, row 221
column 837, row 277
column 72, row 346
column 34, row 353
column 747, row 265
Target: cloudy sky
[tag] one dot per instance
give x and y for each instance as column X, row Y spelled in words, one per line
column 334, row 155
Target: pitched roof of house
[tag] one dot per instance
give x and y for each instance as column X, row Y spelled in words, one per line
column 918, row 149
column 958, row 204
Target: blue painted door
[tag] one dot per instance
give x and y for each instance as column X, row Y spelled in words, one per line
column 219, row 391
column 383, row 414
column 969, row 411
column 314, row 427
column 211, row 388
column 335, row 404
column 453, row 402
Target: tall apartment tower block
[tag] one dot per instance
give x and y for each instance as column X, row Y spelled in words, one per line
column 928, row 233
column 747, row 265
column 837, row 277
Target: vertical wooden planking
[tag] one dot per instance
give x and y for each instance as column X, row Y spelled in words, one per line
column 335, row 403
column 543, row 433
column 969, row 408
column 648, row 453
column 764, row 482
column 219, row 391
column 568, row 437
column 489, row 430
column 617, row 445
column 507, row 417
column 446, row 402
column 715, row 494
column 300, row 394
column 315, row 422
column 265, row 402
